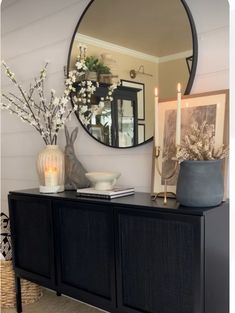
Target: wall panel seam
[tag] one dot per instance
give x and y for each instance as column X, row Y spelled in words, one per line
column 67, row 38
column 38, row 19
column 212, row 73
column 225, row 27
column 29, row 79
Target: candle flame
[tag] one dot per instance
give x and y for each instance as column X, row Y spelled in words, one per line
column 179, row 87
column 156, row 92
column 51, row 169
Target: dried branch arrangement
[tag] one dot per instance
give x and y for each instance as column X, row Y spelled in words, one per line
column 199, row 144
column 46, row 116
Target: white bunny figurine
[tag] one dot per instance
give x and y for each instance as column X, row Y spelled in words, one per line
column 74, row 171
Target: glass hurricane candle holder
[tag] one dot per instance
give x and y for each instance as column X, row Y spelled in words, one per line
column 50, row 168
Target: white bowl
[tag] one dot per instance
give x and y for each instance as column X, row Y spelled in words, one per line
column 103, row 180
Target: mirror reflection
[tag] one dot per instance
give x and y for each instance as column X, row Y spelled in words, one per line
column 123, row 50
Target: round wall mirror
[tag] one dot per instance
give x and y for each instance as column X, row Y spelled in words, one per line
column 123, row 50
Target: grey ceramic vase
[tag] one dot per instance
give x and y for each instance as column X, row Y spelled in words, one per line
column 200, row 183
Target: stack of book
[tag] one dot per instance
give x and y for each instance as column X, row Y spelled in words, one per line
column 116, row 192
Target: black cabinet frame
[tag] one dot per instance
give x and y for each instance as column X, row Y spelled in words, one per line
column 210, row 247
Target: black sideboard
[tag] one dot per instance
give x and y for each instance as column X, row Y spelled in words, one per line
column 125, row 255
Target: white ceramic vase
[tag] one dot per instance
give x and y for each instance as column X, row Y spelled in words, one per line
column 51, row 158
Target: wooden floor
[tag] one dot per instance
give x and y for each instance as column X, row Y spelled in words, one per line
column 50, row 303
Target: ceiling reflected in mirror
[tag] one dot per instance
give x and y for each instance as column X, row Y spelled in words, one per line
column 134, row 46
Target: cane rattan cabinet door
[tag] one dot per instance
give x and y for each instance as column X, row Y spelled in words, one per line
column 32, row 238
column 86, row 252
column 159, row 262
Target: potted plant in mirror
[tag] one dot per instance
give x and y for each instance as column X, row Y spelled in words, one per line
column 91, row 63
column 104, row 73
column 90, row 68
column 95, row 68
column 200, row 182
column 47, row 116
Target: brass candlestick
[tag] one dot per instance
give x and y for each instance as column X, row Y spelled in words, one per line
column 165, row 194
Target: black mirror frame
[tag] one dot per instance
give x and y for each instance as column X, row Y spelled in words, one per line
column 192, row 72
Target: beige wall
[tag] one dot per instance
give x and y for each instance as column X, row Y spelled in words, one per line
column 169, row 73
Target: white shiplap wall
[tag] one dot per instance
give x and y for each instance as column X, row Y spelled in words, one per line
column 37, row 30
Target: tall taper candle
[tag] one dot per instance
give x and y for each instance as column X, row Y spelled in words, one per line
column 178, row 117
column 156, row 138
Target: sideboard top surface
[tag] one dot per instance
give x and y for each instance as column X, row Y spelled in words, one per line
column 139, row 200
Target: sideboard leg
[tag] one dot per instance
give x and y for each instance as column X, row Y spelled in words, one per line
column 58, row 293
column 18, row 295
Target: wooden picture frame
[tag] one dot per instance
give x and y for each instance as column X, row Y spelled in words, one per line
column 210, row 106
column 140, row 96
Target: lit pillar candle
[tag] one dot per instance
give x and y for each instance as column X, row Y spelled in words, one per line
column 156, row 138
column 178, row 116
column 51, row 177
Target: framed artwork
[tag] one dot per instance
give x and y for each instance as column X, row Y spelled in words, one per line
column 97, row 132
column 141, row 133
column 140, row 96
column 211, row 107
